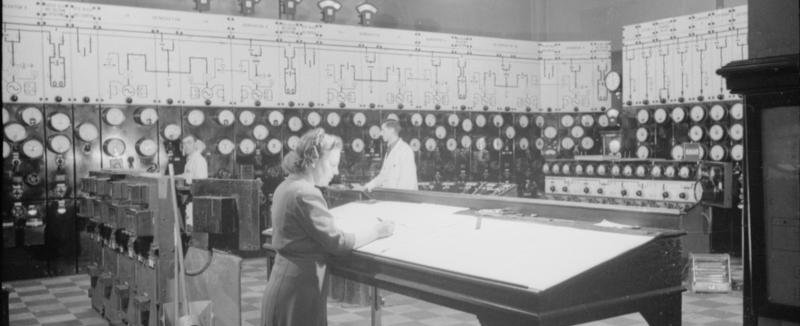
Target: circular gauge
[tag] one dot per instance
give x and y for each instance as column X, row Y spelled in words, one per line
column 357, row 145
column 114, row 116
column 392, row 116
column 587, row 143
column 701, row 152
column 466, row 142
column 696, row 133
column 480, row 120
column 5, row 116
column 225, row 117
column 737, row 111
column 225, row 146
column 59, row 121
column 451, row 144
column 274, row 146
column 613, row 81
column 736, row 131
column 146, row 147
column 716, row 132
column 146, row 116
column 602, row 121
column 416, row 119
column 430, row 145
column 556, row 168
column 669, row 172
column 415, row 144
column 545, row 168
column 523, row 121
column 678, row 114
column 374, row 132
column 660, row 115
column 627, row 170
column 565, row 169
column 247, row 117
column 641, row 171
column 612, row 114
column 295, row 124
column 15, row 132
column 497, row 144
column 60, row 144
column 587, row 120
column 292, row 142
column 567, row 143
column 430, row 120
column 641, row 134
column 602, row 170
column 539, row 143
column 698, row 191
column 440, row 132
column 333, row 119
column 616, row 170
column 677, row 153
column 466, row 125
column 590, row 169
column 171, row 131
column 87, row 131
column 539, row 121
column 643, row 116
column 684, row 172
column 656, row 171
column 578, row 169
column 697, row 113
column 260, row 132
column 114, row 147
column 359, row 119
column 717, row 153
column 313, row 119
column 577, row 132
column 567, row 121
column 247, row 146
column 33, row 148
column 737, row 152
column 524, row 144
column 453, row 120
column 550, row 132
column 196, row 117
column 643, row 152
column 6, row 149
column 276, row 118
column 614, row 146
column 33, row 116
column 717, row 112
column 497, row 120
column 510, row 132
column 480, row 144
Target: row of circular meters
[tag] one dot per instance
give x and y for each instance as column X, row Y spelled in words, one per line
column 697, row 113
column 618, row 170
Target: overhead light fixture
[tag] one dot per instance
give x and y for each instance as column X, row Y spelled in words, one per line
column 329, row 9
column 202, row 5
column 366, row 11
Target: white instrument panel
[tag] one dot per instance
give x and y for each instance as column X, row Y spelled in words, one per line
column 688, row 191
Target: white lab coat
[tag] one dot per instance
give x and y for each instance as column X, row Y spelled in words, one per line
column 196, row 168
column 399, row 171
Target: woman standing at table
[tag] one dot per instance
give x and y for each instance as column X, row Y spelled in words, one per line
column 304, row 234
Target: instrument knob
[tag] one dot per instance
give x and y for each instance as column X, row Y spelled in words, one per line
column 552, row 188
column 682, row 195
column 586, row 190
column 665, row 194
column 639, row 193
column 600, row 191
column 623, row 192
column 564, row 189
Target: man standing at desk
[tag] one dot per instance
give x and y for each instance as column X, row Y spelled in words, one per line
column 196, row 167
column 399, row 171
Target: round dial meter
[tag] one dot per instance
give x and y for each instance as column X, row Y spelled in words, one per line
column 643, row 152
column 669, row 172
column 590, row 169
column 416, row 119
column 480, row 120
column 497, row 120
column 6, row 149
column 587, row 120
column 276, row 118
column 736, row 132
column 510, row 132
column 497, row 144
column 172, row 132
column 146, row 116
column 294, row 140
column 274, row 146
column 33, row 148
column 656, row 171
column 15, row 132
column 641, row 134
column 578, row 169
column 333, row 119
column 716, row 132
column 196, row 118
column 556, row 168
column 247, row 146
column 567, row 121
column 414, row 144
column 451, row 144
column 577, row 132
column 678, row 114
column 539, row 143
column 550, row 132
column 313, row 119
column 602, row 121
column 225, row 146
column 392, row 116
column 466, row 142
column 374, row 132
column 717, row 112
column 430, row 145
column 696, row 133
column 430, row 120
column 616, row 170
column 226, row 117
column 466, row 125
column 146, row 147
column 523, row 121
column 565, row 169
column 60, row 121
column 114, row 116
column 260, row 132
column 87, row 132
column 697, row 113
column 440, row 132
column 643, row 116
column 641, row 171
column 614, row 146
column 33, row 116
column 737, row 152
column 453, row 120
column 587, row 143
column 602, row 170
column 524, row 144
column 5, row 115
column 546, row 168
column 295, row 124
column 539, row 121
column 627, row 170
column 480, row 144
column 684, row 172
column 567, row 143
column 717, row 153
column 60, row 144
column 359, row 119
column 737, row 111
column 660, row 115
column 247, row 117
column 114, row 147
column 677, row 152
column 357, row 145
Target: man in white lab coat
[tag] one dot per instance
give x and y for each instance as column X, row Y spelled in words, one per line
column 399, row 171
column 196, row 167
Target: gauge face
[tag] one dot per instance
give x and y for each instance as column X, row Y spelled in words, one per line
column 587, row 143
column 276, row 118
column 539, row 121
column 33, row 148
column 539, row 143
column 698, row 191
column 669, row 172
column 295, row 124
column 641, row 171
column 556, row 168
column 414, row 144
column 590, row 169
column 357, row 145
column 430, row 120
column 497, row 120
column 697, row 113
column 655, row 172
column 717, row 153
column 466, row 142
column 15, row 132
column 313, row 119
column 225, row 146
column 416, row 119
column 172, row 131
column 602, row 121
column 497, row 144
column 480, row 144
column 641, row 134
column 453, row 120
column 146, row 147
column 567, row 143
column 524, row 144
column 716, row 132
column 333, row 119
column 114, row 116
column 613, row 81
column 33, row 116
column 643, row 116
column 567, row 121
column 737, row 152
column 196, row 117
column 114, row 147
column 737, row 111
column 550, row 132
column 359, row 119
column 615, row 170
column 677, row 152
column 294, row 140
column 684, row 172
column 440, row 132
column 59, row 121
column 736, row 131
column 587, row 120
column 430, row 145
column 696, row 133
column 678, row 114
column 565, row 169
column 147, row 116
column 374, row 132
column 480, row 120
column 614, row 146
column 545, row 168
column 523, row 121
column 510, row 132
column 274, row 146
column 576, row 132
column 451, row 144
column 717, row 112
column 247, row 146
column 643, row 152
column 627, row 171
column 579, row 169
column 6, row 149
column 612, row 114
column 5, row 116
column 260, row 132
column 60, row 144
column 466, row 125
column 602, row 170
column 660, row 115
column 392, row 116
column 247, row 117
column 225, row 117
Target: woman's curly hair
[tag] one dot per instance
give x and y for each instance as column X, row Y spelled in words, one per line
column 312, row 145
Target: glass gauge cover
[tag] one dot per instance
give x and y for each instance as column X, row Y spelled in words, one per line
column 684, row 172
column 539, row 121
column 717, row 112
column 466, row 142
column 430, row 120
column 466, row 125
column 656, row 171
column 453, row 120
column 627, row 170
column 357, row 145
column 313, row 119
column 523, row 121
column 295, row 124
column 737, row 111
column 524, row 144
column 717, row 153
column 716, row 132
column 565, row 169
column 587, row 143
column 587, row 120
column 737, row 152
column 616, row 170
column 33, row 116
column 5, row 115
column 578, row 169
column 440, row 132
column 114, row 116
column 669, row 171
column 15, row 132
column 736, row 131
column 172, row 131
column 567, row 143
column 114, row 147
column 697, row 113
column 374, row 132
column 146, row 147
column 294, row 140
column 60, row 144
column 539, row 143
column 247, row 146
column 225, row 146
column 643, row 152
column 333, row 119
column 414, row 144
column 546, row 168
column 643, row 116
column 590, row 169
column 359, row 119
column 60, row 121
column 497, row 144
column 497, row 120
column 678, row 114
column 555, row 168
column 6, row 149
column 660, row 115
column 510, row 132
column 641, row 134
column 226, row 117
column 567, row 121
column 677, row 152
column 276, row 118
column 392, row 116
column 274, row 146
column 33, row 148
column 577, row 132
column 641, row 171
column 550, row 132
column 480, row 120
column 430, row 145
column 602, row 170
column 614, row 146
column 260, row 132
column 146, row 116
column 451, row 144
column 247, row 117
column 602, row 121
column 416, row 119
column 196, row 117
column 696, row 133
column 480, row 144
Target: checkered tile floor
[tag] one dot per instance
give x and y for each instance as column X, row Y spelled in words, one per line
column 63, row 301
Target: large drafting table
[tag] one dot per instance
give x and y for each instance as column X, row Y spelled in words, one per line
column 532, row 271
